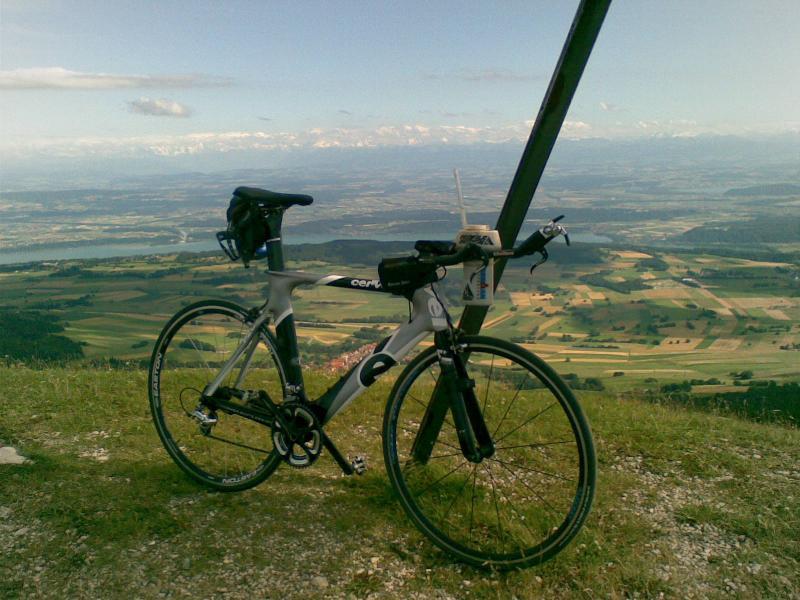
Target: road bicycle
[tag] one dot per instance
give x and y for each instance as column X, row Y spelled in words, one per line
column 487, row 448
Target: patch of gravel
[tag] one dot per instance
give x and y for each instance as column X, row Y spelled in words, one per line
column 17, row 539
column 98, row 454
column 692, row 551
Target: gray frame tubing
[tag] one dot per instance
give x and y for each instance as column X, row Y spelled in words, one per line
column 427, row 316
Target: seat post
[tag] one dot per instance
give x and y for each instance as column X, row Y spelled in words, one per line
column 274, row 218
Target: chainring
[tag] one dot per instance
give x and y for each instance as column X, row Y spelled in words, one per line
column 300, row 446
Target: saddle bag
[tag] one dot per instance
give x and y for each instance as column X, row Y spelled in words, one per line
column 402, row 276
column 247, row 228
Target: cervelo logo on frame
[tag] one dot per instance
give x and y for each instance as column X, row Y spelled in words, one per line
column 366, row 283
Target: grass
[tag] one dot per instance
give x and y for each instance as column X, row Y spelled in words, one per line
column 687, row 502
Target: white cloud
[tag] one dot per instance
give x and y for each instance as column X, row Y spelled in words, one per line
column 409, row 134
column 575, row 129
column 482, row 75
column 608, row 107
column 162, row 107
column 64, row 79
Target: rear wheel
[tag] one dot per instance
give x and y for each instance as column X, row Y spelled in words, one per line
column 517, row 507
column 222, row 450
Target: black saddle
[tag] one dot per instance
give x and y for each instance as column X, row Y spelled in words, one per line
column 272, row 199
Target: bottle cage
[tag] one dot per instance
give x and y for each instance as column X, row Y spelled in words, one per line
column 227, row 241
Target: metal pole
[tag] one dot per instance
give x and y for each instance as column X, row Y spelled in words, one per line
column 574, row 56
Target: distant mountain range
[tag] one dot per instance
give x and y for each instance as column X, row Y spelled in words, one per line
column 61, row 173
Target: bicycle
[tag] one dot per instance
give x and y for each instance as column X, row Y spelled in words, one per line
column 487, row 448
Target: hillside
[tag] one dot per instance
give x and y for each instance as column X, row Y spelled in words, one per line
column 767, row 189
column 689, row 504
column 755, row 231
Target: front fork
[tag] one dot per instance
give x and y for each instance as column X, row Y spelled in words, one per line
column 454, row 390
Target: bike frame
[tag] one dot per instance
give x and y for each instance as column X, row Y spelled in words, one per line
column 428, row 315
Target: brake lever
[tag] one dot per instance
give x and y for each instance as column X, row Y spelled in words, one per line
column 541, row 261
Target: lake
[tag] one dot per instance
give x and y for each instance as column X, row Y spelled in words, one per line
column 118, row 250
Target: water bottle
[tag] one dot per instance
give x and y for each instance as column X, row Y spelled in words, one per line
column 478, row 287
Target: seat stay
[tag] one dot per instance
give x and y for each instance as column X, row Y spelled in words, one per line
column 247, row 360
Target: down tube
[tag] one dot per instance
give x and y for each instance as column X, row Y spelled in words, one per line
column 427, row 315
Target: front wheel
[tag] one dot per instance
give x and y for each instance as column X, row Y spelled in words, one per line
column 222, row 450
column 522, row 504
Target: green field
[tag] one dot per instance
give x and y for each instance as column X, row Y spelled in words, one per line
column 687, row 504
column 667, row 317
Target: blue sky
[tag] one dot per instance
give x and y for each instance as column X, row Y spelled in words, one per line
column 94, row 78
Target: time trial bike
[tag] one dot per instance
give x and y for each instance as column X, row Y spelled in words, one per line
column 487, row 448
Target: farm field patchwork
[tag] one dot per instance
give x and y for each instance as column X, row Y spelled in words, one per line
column 658, row 326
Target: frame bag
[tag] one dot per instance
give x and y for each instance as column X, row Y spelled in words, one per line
column 402, row 276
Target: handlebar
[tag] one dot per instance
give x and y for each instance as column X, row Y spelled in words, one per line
column 541, row 237
column 466, row 253
column 444, row 254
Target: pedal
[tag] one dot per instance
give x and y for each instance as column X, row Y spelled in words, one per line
column 203, row 418
column 359, row 465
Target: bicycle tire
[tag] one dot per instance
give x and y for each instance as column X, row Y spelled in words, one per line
column 569, row 445
column 176, row 368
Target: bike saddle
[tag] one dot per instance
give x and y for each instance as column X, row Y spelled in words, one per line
column 272, row 199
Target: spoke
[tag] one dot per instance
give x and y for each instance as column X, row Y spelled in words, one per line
column 216, row 342
column 200, row 354
column 544, row 410
column 496, row 506
column 535, row 445
column 461, row 489
column 446, row 455
column 438, row 441
column 241, row 375
column 227, row 451
column 422, row 404
column 534, row 492
column 553, row 475
column 488, row 385
column 472, row 504
column 432, row 376
column 514, row 508
column 413, row 462
column 442, row 478
column 508, row 408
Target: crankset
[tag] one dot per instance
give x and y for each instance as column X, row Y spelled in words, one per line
column 297, row 434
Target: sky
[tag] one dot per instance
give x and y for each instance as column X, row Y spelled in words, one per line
column 98, row 79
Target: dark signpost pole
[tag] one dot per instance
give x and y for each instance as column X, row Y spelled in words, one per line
column 574, row 56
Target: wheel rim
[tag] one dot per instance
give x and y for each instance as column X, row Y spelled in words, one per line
column 526, row 501
column 234, row 450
